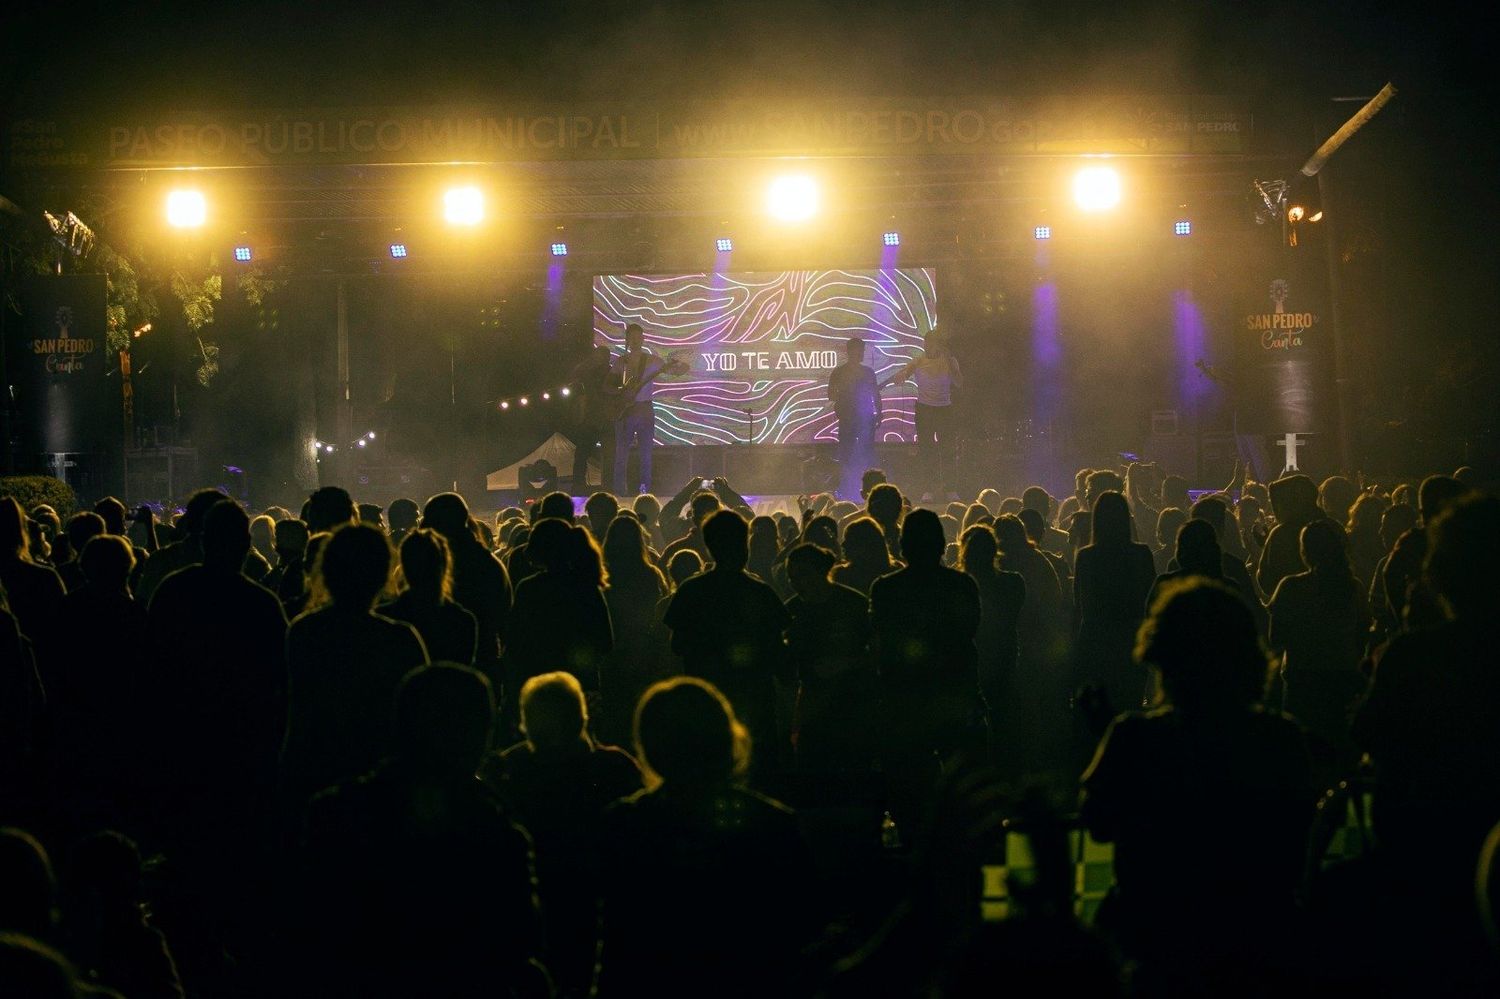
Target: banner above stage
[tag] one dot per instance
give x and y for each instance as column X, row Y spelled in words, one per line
column 621, row 130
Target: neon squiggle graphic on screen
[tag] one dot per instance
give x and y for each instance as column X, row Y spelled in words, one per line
column 766, row 342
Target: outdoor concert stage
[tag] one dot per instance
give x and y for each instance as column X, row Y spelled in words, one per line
column 1100, row 272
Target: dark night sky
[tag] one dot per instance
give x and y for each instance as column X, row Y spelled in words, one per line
column 268, row 54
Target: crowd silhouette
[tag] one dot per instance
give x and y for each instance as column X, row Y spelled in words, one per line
column 671, row 747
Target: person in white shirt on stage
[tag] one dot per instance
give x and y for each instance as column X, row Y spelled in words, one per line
column 936, row 374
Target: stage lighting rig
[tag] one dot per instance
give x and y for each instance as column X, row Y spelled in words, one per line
column 463, row 206
column 186, row 209
column 70, row 233
column 1271, row 201
column 1096, row 189
column 792, row 198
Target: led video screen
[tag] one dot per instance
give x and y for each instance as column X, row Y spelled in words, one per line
column 757, row 347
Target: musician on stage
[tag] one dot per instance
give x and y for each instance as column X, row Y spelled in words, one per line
column 592, row 417
column 936, row 374
column 635, row 420
column 856, row 403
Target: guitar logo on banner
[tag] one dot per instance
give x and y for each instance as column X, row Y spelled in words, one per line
column 64, row 354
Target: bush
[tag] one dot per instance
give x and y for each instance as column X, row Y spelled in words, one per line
column 29, row 490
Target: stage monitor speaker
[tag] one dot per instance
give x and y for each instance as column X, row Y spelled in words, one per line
column 767, row 469
column 537, row 480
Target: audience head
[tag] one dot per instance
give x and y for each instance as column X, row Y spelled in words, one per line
column 727, row 538
column 1336, row 495
column 1437, row 493
column 648, row 508
column 226, row 535
column 291, row 538
column 807, row 568
column 114, row 513
column 1463, row 550
column 1065, row 510
column 1110, row 524
column 824, row 532
column 1396, row 521
column 763, row 541
column 1174, row 492
column 448, row 514
column 1364, row 515
column 426, row 565
column 107, row 562
column 1294, row 499
column 978, row 549
column 444, row 714
column 1036, row 498
column 864, row 543
column 1035, row 524
column 556, row 504
column 370, row 513
column 353, row 568
column 1200, row 637
column 922, row 539
column 554, row 714
column 602, row 509
column 704, row 504
column 1213, row 511
column 263, row 534
column 48, row 519
column 549, row 546
column 1099, row 483
column 1197, row 549
column 873, row 477
column 329, row 508
column 1080, row 484
column 196, row 509
column 1324, row 549
column 1168, row 521
column 686, row 736
column 1010, row 535
column 403, row 514
column 1011, row 505
column 625, row 546
column 684, row 565
column 884, row 504
column 81, row 527
column 990, row 500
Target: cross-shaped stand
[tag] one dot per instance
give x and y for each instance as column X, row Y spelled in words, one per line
column 1291, row 443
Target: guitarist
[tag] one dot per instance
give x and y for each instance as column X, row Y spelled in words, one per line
column 635, row 417
column 856, row 404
